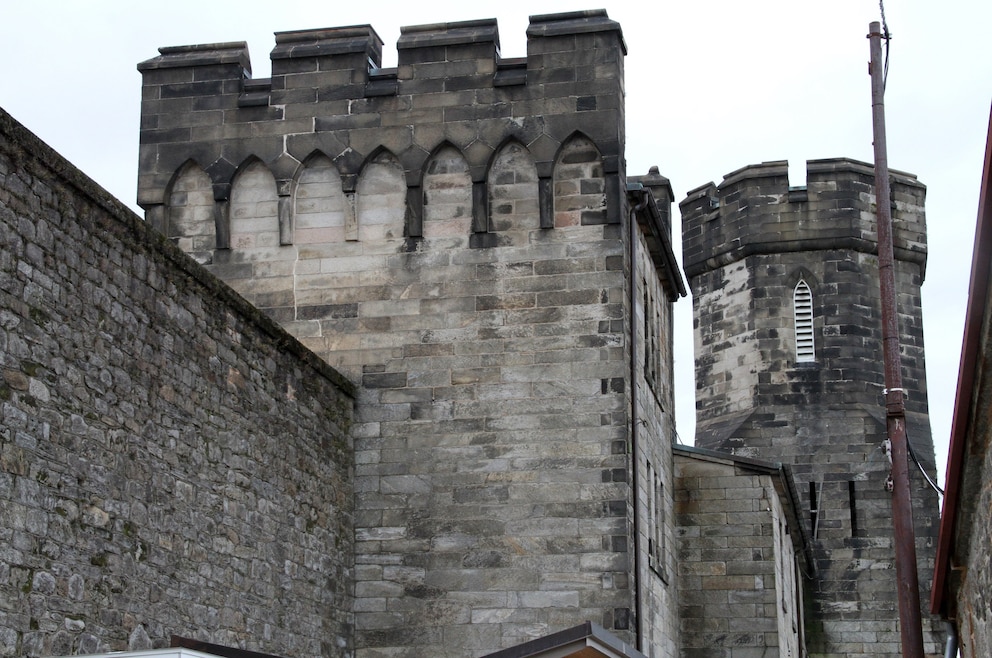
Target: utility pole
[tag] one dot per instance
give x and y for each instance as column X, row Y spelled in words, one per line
column 907, row 580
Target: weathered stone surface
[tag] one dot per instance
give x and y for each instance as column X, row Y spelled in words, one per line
column 171, row 462
column 453, row 245
column 747, row 244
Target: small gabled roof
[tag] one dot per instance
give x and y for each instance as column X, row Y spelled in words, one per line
column 587, row 640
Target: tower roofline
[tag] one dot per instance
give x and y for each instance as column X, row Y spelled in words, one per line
column 755, row 210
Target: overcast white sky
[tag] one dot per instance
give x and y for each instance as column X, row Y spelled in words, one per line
column 712, row 85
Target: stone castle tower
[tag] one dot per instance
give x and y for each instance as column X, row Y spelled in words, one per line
column 789, row 368
column 408, row 391
column 459, row 237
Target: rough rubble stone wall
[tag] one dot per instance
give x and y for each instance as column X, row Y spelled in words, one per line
column 746, row 245
column 171, row 462
column 972, row 601
column 463, row 261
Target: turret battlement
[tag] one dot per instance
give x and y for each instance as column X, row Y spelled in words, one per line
column 755, row 211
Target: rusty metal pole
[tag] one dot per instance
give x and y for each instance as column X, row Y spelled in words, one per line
column 907, row 580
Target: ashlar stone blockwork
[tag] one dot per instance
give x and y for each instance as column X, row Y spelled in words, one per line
column 455, row 236
column 747, row 244
column 743, row 555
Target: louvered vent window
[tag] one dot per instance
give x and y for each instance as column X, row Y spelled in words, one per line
column 802, row 304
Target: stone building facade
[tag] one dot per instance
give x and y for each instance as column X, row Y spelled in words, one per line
column 460, row 238
column 789, row 367
column 408, row 391
column 744, row 556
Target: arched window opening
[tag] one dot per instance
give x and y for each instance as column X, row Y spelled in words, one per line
column 447, row 197
column 190, row 213
column 579, row 184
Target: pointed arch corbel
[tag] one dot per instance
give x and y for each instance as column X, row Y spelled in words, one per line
column 222, row 173
column 285, row 169
column 413, row 161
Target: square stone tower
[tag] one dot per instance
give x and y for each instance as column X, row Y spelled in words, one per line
column 457, row 235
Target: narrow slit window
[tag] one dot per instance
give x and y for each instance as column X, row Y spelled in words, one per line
column 656, row 523
column 853, row 505
column 802, row 305
column 814, row 512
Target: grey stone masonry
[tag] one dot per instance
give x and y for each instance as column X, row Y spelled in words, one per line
column 742, row 551
column 328, row 95
column 789, row 368
column 452, row 235
column 171, row 461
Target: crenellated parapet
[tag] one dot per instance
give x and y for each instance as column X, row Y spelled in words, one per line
column 329, row 96
column 755, row 211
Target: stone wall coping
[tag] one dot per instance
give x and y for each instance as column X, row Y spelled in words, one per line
column 327, row 34
column 751, row 463
column 574, row 22
column 658, row 230
column 770, row 169
column 558, row 17
column 458, row 33
column 204, row 54
column 826, row 168
column 328, row 41
column 833, row 166
column 696, row 193
column 145, row 234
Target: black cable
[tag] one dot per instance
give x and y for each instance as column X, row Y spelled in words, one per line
column 887, row 37
column 916, row 460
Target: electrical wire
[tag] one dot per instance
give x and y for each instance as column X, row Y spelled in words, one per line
column 888, row 38
column 916, row 460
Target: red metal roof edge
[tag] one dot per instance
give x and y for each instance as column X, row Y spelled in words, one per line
column 977, row 295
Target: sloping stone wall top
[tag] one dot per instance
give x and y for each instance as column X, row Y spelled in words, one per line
column 171, row 461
